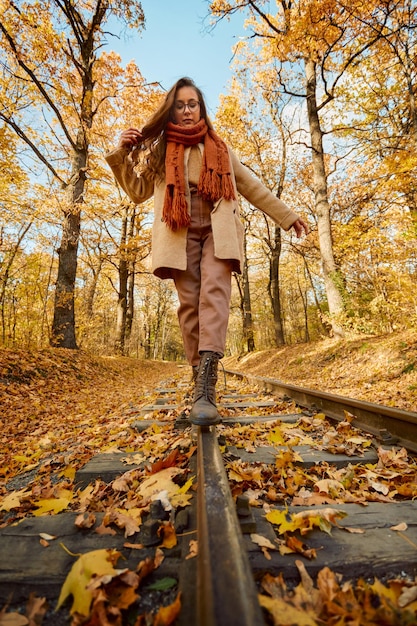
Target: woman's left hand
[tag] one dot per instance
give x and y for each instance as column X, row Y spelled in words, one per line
column 300, row 227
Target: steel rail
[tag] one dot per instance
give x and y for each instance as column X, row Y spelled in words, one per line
column 226, row 590
column 390, row 424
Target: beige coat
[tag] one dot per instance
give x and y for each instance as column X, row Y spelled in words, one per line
column 168, row 247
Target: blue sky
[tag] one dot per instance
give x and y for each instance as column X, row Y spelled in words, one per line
column 178, row 41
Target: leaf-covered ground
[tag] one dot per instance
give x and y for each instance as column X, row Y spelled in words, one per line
column 375, row 369
column 59, row 408
column 64, row 402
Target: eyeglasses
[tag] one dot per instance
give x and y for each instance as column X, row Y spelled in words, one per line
column 192, row 106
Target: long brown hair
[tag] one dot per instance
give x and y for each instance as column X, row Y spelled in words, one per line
column 153, row 132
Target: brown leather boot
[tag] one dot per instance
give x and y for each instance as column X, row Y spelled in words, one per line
column 204, row 410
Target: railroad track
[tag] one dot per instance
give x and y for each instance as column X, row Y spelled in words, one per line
column 280, row 453
column 231, row 563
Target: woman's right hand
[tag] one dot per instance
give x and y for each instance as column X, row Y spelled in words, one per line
column 129, row 138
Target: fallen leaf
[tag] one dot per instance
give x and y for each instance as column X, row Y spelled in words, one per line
column 13, row 619
column 168, row 614
column 12, row 500
column 408, row 595
column 284, row 614
column 193, row 549
column 263, row 542
column 85, row 520
column 95, row 563
column 47, row 536
column 54, row 505
column 169, row 536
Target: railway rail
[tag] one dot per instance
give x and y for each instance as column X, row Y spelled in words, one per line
column 248, row 468
column 228, row 568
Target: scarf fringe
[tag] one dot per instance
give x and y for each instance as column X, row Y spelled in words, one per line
column 175, row 210
column 213, row 186
column 215, row 178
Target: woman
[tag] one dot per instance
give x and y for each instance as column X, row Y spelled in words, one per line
column 197, row 236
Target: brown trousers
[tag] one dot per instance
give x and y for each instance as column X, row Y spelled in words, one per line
column 204, row 288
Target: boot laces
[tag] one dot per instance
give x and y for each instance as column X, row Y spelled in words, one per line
column 207, row 376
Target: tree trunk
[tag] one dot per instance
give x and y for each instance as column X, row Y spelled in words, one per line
column 119, row 343
column 63, row 325
column 5, row 274
column 130, row 309
column 248, row 333
column 273, row 287
column 331, row 273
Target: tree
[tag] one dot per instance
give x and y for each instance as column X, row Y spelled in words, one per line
column 308, row 41
column 52, row 54
column 254, row 126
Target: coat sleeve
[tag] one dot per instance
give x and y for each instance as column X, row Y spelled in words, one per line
column 137, row 185
column 260, row 197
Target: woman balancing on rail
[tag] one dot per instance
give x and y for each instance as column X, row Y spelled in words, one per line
column 197, row 237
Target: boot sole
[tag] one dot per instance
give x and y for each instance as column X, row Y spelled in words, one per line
column 204, row 421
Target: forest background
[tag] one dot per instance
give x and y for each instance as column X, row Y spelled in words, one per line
column 321, row 107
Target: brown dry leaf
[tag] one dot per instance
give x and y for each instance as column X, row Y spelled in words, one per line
column 329, row 486
column 35, row 609
column 408, row 595
column 193, row 549
column 13, row 619
column 263, row 542
column 128, row 519
column 393, row 458
column 284, row 614
column 294, row 545
column 240, row 471
column 399, row 527
column 306, row 595
column 85, row 520
column 105, row 530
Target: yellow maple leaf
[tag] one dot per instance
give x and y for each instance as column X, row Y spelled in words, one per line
column 276, row 517
column 276, row 436
column 12, row 500
column 304, row 520
column 180, row 499
column 94, row 563
column 69, row 472
column 54, row 505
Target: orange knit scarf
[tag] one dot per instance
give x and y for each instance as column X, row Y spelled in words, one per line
column 215, row 178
